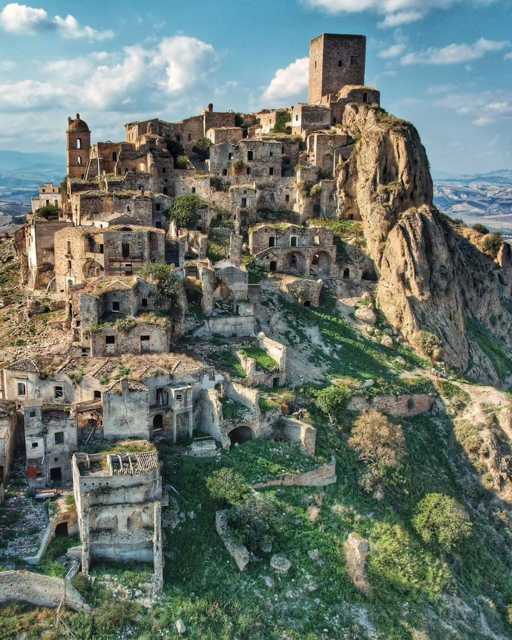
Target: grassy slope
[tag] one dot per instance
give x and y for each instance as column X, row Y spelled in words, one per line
column 413, row 586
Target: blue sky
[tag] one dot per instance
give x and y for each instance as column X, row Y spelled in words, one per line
column 446, row 65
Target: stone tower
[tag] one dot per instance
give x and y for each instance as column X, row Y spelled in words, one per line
column 78, row 147
column 335, row 61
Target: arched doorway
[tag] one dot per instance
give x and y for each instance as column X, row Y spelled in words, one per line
column 296, row 263
column 61, row 530
column 321, row 264
column 158, row 421
column 240, row 435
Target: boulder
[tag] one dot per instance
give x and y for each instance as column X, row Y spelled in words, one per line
column 280, row 563
column 366, row 315
column 356, row 555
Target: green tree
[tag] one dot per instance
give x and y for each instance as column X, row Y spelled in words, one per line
column 202, row 148
column 186, row 211
column 226, row 485
column 333, row 400
column 167, row 281
column 440, row 519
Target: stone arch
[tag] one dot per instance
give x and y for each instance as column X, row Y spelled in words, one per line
column 92, row 269
column 296, row 263
column 241, row 434
column 321, row 263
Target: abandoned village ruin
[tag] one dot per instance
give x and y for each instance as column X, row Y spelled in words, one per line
column 156, row 258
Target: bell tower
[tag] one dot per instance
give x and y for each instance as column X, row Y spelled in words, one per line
column 78, row 147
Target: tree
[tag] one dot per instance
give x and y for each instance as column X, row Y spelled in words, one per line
column 185, row 211
column 49, row 212
column 174, row 147
column 377, row 441
column 442, row 520
column 333, row 400
column 227, row 485
column 202, row 148
column 492, row 243
column 167, row 281
column 481, row 228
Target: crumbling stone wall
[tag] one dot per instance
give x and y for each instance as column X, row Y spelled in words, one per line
column 39, row 590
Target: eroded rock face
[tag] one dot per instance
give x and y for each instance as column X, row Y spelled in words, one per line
column 434, row 276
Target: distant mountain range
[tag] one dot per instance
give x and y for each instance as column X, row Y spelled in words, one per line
column 485, row 196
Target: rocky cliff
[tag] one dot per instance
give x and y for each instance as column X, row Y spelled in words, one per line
column 442, row 285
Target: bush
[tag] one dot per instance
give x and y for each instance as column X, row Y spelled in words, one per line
column 229, row 486
column 333, row 400
column 182, row 162
column 202, row 148
column 441, row 520
column 492, row 243
column 253, row 522
column 430, row 343
column 49, row 212
column 185, row 211
column 174, row 147
column 167, row 282
column 481, row 228
column 377, row 441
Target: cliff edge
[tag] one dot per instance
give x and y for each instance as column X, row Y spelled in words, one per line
column 442, row 285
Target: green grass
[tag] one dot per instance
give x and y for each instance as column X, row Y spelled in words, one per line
column 228, row 361
column 263, row 360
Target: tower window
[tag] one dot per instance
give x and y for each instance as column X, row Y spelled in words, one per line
column 78, row 143
column 78, row 160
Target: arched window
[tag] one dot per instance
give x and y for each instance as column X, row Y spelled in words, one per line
column 78, row 160
column 78, row 143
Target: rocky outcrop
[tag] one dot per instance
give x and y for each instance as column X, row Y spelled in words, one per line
column 434, row 276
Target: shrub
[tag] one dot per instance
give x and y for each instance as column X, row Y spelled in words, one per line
column 253, row 521
column 282, row 118
column 491, row 244
column 185, row 211
column 377, row 441
column 202, row 148
column 226, row 485
column 182, row 162
column 238, row 167
column 125, row 325
column 333, row 400
column 48, row 212
column 430, row 343
column 218, row 184
column 174, row 147
column 480, row 228
column 167, row 282
column 442, row 520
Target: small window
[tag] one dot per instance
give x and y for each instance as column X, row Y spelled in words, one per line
column 97, row 395
column 193, row 189
column 189, row 137
column 293, row 241
column 248, row 171
column 59, row 437
column 22, row 390
column 230, row 156
column 179, row 397
column 365, row 98
column 271, row 154
column 35, row 445
column 158, row 206
column 224, row 172
column 32, row 414
column 115, row 306
column 58, row 392
column 144, row 302
column 340, row 63
column 287, row 198
column 297, row 118
column 110, row 339
column 114, row 156
column 164, row 170
column 144, row 338
column 78, row 160
column 78, row 143
column 244, row 202
column 125, row 250
column 250, row 155
column 272, row 242
column 68, row 245
column 271, row 171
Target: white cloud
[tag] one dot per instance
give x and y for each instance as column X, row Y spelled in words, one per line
column 186, row 60
column 508, row 56
column 395, row 12
column 18, row 18
column 454, row 53
column 135, row 78
column 22, row 19
column 289, row 82
column 393, row 51
column 484, row 109
column 71, row 29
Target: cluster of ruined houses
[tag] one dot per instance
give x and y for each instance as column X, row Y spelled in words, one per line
column 89, row 253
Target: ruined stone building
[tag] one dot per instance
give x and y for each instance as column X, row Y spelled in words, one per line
column 49, row 196
column 82, row 253
column 7, row 442
column 118, row 499
column 51, row 438
column 289, row 248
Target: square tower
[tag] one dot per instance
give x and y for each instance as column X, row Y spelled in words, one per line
column 335, row 61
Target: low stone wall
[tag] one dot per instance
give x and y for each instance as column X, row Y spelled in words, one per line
column 319, row 477
column 404, row 406
column 39, row 590
column 227, row 326
column 237, row 551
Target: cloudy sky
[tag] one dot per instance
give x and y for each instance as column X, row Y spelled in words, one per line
column 446, row 65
